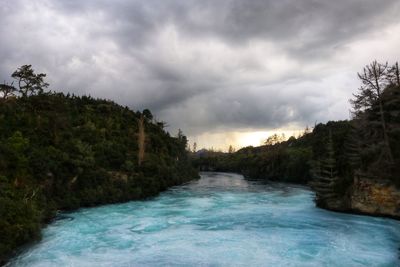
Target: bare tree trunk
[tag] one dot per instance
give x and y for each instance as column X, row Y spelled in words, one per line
column 383, row 122
column 141, row 140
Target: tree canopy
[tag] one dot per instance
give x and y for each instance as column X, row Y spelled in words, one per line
column 28, row 82
column 61, row 152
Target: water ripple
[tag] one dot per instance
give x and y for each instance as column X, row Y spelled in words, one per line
column 219, row 220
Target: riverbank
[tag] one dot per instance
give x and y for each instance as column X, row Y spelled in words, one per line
column 54, row 218
column 220, row 220
column 329, row 160
column 63, row 152
column 370, row 197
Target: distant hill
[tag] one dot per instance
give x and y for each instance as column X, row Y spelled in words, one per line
column 61, row 152
column 353, row 166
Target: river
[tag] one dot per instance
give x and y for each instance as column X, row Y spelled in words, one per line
column 220, row 220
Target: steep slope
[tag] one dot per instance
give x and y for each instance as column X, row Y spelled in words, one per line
column 62, row 152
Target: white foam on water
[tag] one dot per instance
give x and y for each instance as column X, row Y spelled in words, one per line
column 220, row 220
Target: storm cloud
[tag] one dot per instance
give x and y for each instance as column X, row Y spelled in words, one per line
column 205, row 66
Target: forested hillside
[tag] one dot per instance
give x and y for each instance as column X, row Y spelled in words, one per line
column 62, row 152
column 288, row 161
column 336, row 154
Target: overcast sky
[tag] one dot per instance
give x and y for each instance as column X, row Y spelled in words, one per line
column 224, row 71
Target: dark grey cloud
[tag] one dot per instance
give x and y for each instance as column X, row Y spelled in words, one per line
column 300, row 26
column 204, row 65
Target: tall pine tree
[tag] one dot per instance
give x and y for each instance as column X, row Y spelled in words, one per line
column 325, row 176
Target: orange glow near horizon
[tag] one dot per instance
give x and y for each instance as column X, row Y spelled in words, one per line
column 222, row 140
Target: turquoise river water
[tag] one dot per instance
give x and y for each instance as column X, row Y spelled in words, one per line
column 220, row 220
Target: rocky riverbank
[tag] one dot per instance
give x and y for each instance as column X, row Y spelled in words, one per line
column 374, row 197
column 370, row 197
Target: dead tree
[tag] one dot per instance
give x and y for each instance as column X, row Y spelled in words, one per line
column 374, row 80
column 7, row 90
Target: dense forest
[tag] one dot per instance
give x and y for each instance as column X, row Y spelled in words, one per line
column 62, row 152
column 332, row 155
column 278, row 160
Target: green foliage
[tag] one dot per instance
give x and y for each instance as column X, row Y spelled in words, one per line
column 367, row 146
column 379, row 156
column 65, row 152
column 19, row 216
column 288, row 161
column 274, row 139
column 325, row 175
column 376, row 123
column 29, row 83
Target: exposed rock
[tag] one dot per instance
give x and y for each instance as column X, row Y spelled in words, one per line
column 375, row 197
column 369, row 196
